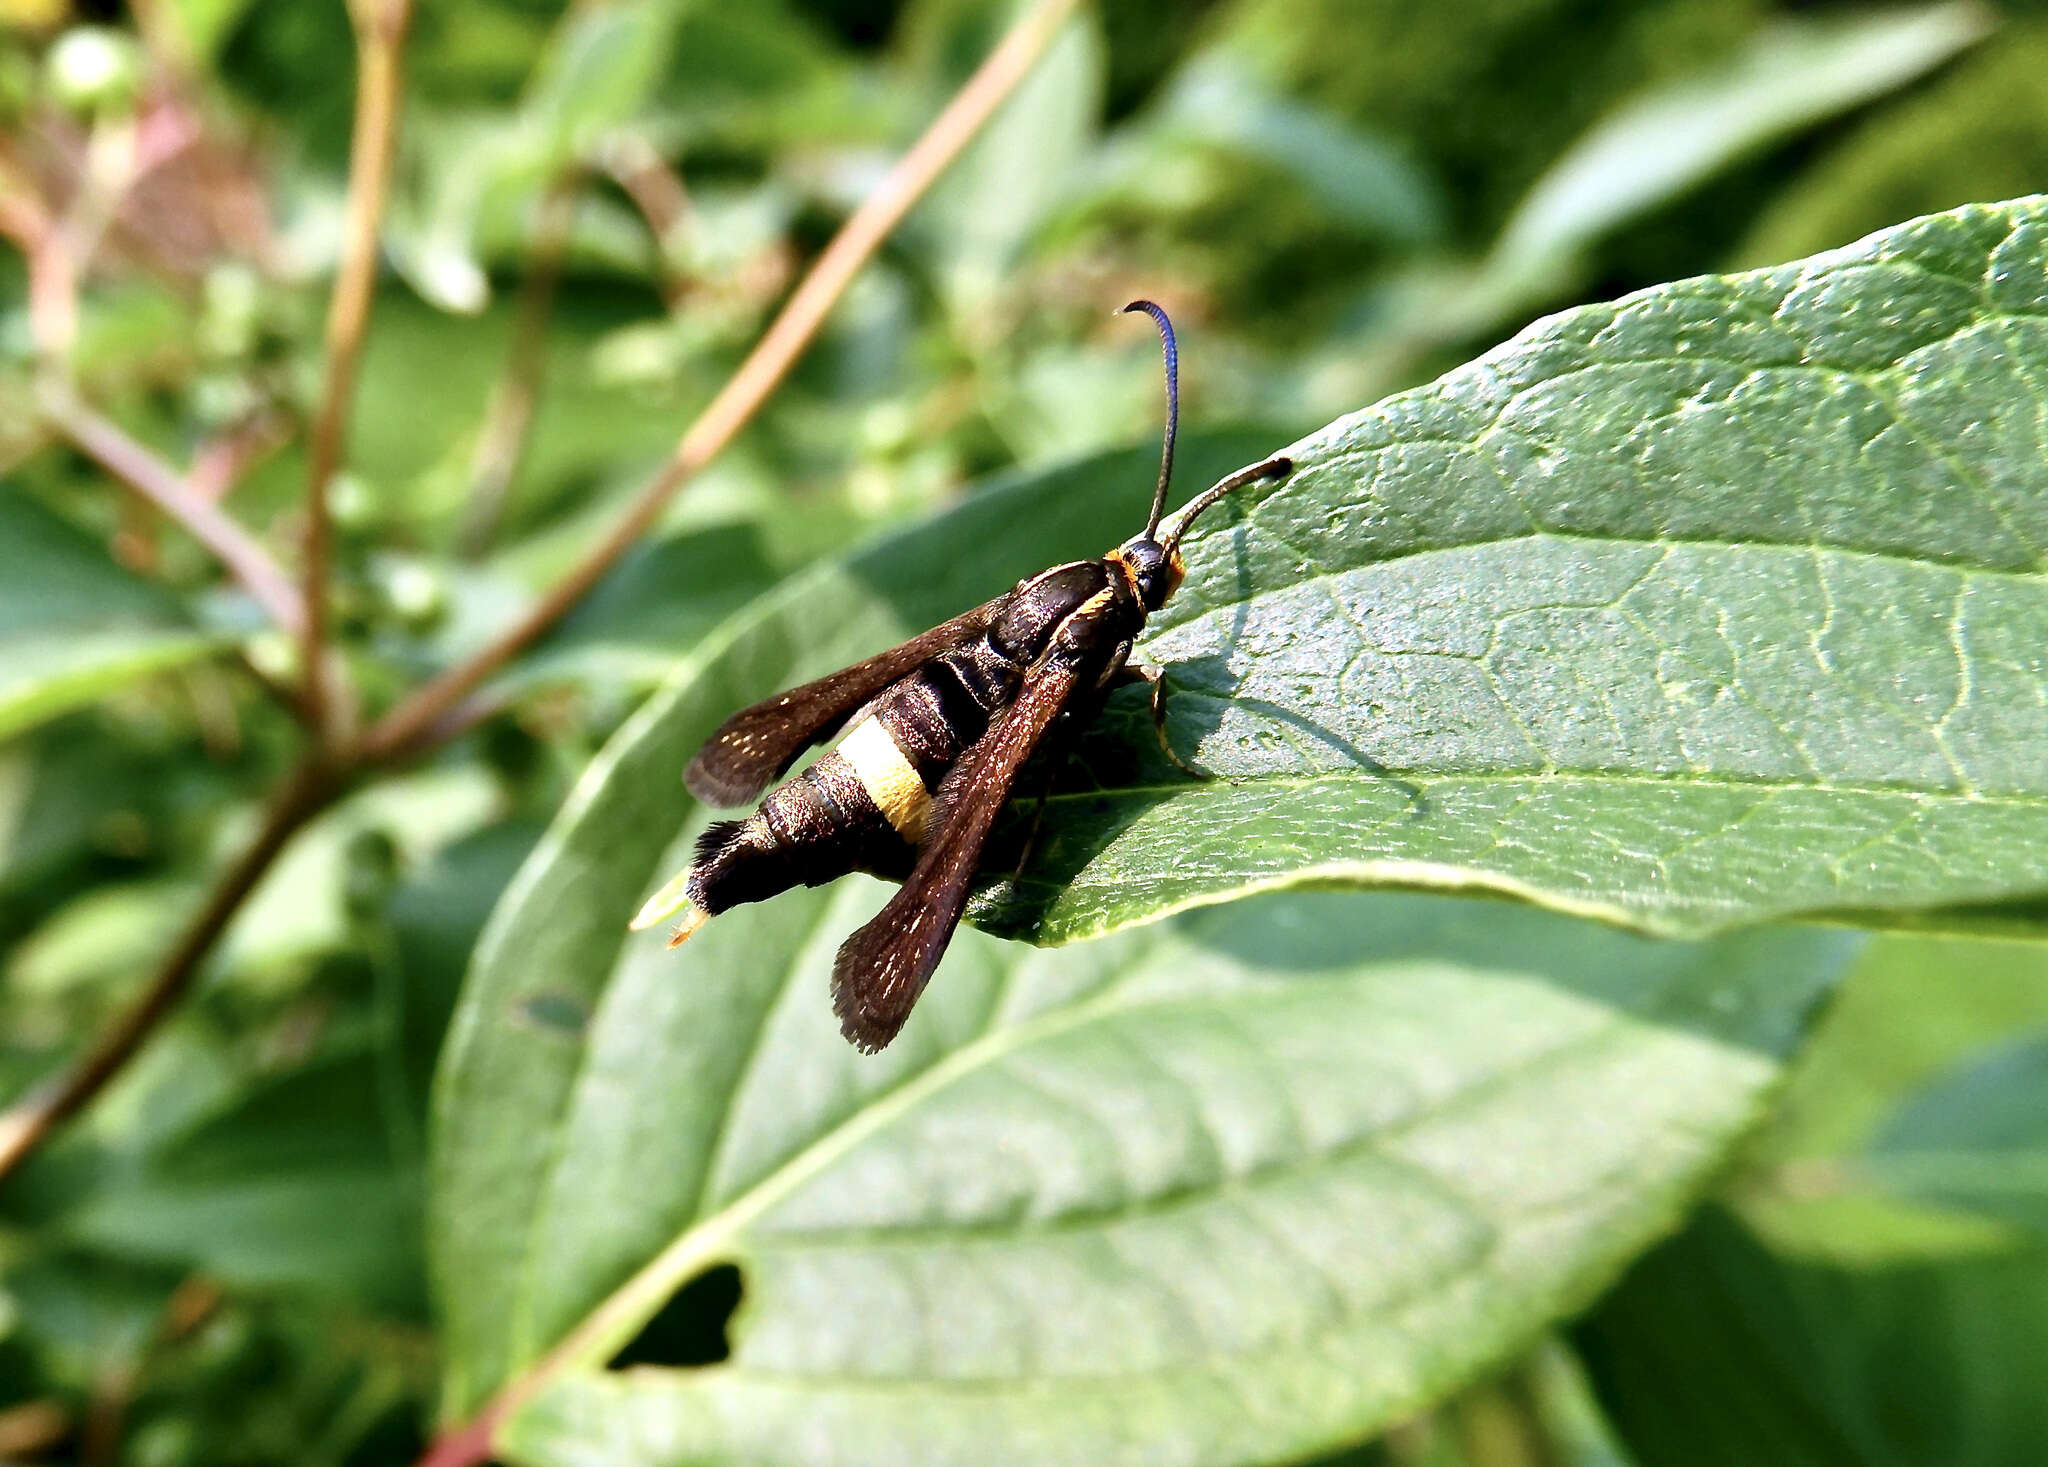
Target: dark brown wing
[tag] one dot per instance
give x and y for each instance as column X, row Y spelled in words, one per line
column 883, row 968
column 755, row 747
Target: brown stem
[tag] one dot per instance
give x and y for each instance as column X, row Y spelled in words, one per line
column 508, row 422
column 380, row 28
column 222, row 460
column 380, row 31
column 52, row 301
column 403, row 731
column 660, row 195
column 25, row 1125
column 52, row 283
column 133, row 465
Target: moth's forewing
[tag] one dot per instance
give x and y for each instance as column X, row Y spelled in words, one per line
column 756, row 746
column 883, row 968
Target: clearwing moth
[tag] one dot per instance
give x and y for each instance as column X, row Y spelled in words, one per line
column 935, row 732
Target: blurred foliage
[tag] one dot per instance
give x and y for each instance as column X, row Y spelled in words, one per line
column 222, row 1261
column 1974, row 133
column 1874, row 1288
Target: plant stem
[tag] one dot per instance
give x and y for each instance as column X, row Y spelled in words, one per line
column 380, row 33
column 658, row 192
column 442, row 707
column 52, row 283
column 405, row 729
column 129, row 462
column 24, row 1127
column 508, row 422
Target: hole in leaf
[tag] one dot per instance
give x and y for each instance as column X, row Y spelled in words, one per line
column 690, row 1329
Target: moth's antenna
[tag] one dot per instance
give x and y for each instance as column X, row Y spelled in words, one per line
column 1172, row 351
column 1272, row 468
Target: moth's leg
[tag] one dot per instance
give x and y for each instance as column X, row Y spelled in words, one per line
column 1052, row 757
column 1037, row 823
column 1156, row 680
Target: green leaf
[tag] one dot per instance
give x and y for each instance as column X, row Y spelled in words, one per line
column 1657, row 147
column 1717, row 603
column 1976, row 1138
column 1666, row 142
column 663, row 598
column 573, row 899
column 599, row 73
column 249, row 1183
column 105, row 933
column 1913, row 1013
column 73, row 625
column 1975, row 133
column 300, row 908
column 295, row 1185
column 1016, row 171
column 1715, row 1350
column 1277, row 1175
column 206, row 24
column 1360, row 179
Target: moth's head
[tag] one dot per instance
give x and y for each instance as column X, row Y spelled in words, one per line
column 1155, row 571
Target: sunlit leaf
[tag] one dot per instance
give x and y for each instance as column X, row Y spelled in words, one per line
column 1718, row 603
column 1277, row 1175
column 1670, row 141
column 1018, row 168
column 1362, row 179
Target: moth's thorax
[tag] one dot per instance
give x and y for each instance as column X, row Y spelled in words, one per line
column 1152, row 573
column 1024, row 629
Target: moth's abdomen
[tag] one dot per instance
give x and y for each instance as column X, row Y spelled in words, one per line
column 866, row 805
column 815, row 828
column 929, row 717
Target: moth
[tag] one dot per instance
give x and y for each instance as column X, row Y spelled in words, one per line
column 935, row 733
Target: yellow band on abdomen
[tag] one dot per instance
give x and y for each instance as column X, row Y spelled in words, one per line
column 888, row 778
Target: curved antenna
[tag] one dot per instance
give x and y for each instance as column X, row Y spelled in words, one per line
column 1172, row 351
column 1272, row 468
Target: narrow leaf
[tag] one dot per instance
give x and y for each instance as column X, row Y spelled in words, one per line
column 1795, row 74
column 73, row 625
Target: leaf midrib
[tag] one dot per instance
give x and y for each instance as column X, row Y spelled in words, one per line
column 1316, row 574
column 1230, row 1188
column 612, row 1321
column 1204, row 1364
column 1437, row 777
